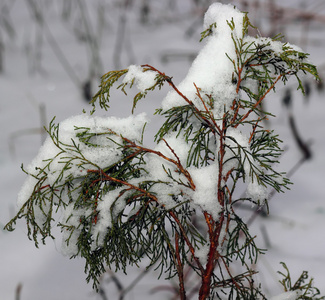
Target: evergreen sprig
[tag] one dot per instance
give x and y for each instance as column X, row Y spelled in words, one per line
column 303, row 286
column 102, row 96
column 116, row 211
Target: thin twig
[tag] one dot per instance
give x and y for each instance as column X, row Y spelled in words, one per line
column 135, row 282
column 179, row 266
column 258, row 102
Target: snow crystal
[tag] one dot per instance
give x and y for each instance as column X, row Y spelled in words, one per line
column 212, row 71
column 205, row 194
column 168, row 194
column 154, row 166
column 71, row 217
column 70, row 248
column 143, row 80
column 165, row 188
column 241, row 139
column 257, row 192
column 157, row 167
column 202, row 253
column 292, row 295
column 108, row 208
column 178, row 144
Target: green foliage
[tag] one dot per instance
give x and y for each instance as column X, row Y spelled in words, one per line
column 208, row 31
column 303, row 286
column 103, row 94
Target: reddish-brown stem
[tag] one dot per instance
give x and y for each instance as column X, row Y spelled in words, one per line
column 225, row 178
column 210, row 222
column 228, row 271
column 171, row 83
column 179, row 266
column 44, row 187
column 253, row 131
column 206, row 109
column 95, row 208
column 188, row 242
column 214, row 234
column 213, row 257
column 236, row 111
column 110, row 178
column 240, row 70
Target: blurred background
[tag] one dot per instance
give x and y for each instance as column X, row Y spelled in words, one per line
column 52, row 54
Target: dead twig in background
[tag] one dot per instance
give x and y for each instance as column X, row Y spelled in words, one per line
column 40, row 20
column 18, row 291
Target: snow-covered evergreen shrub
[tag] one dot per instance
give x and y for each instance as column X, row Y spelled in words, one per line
column 118, row 201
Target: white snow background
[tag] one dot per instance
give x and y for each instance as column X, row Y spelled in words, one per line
column 295, row 226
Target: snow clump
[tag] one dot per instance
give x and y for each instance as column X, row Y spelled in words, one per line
column 212, row 70
column 142, row 80
column 106, row 136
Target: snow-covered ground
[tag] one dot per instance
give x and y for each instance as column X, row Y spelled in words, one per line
column 295, row 226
